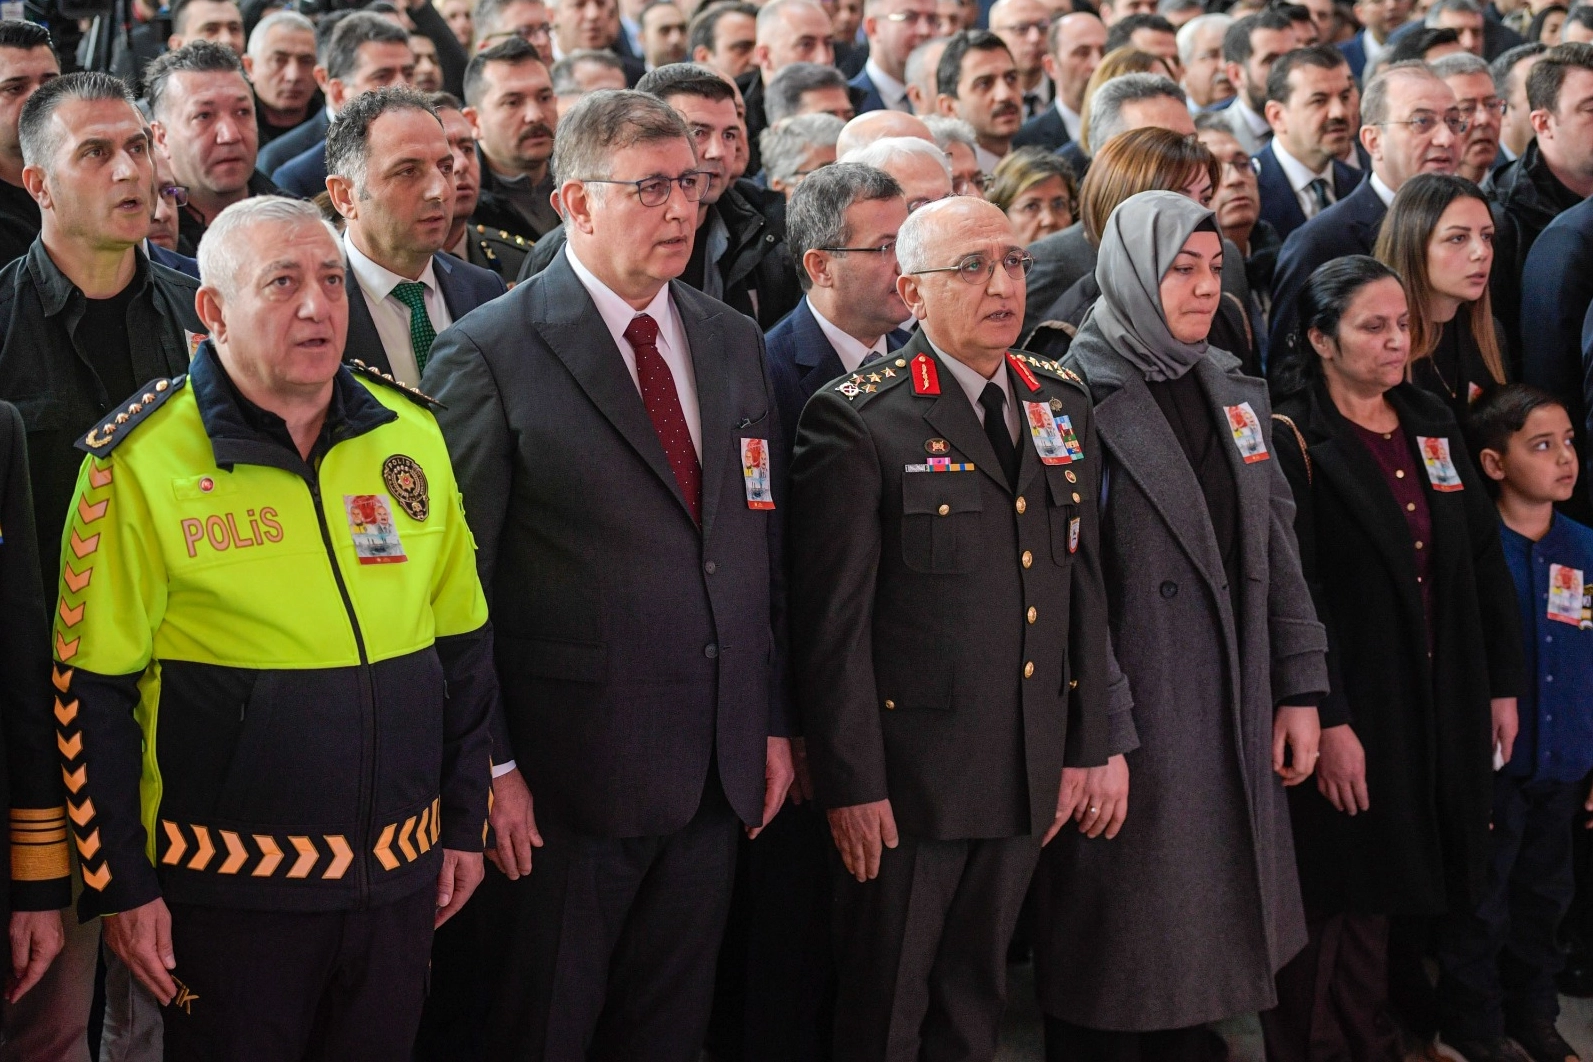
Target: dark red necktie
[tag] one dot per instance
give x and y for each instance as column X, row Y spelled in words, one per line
column 663, row 406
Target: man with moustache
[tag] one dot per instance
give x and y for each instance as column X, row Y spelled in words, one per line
column 1249, row 48
column 280, row 63
column 641, row 625
column 1310, row 98
column 469, row 240
column 978, row 83
column 980, row 562
column 1075, row 45
column 1410, row 124
column 1200, row 52
column 509, row 97
column 738, row 255
column 1480, row 105
column 391, row 178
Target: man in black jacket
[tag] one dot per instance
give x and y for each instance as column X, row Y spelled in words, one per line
column 27, row 60
column 509, row 97
column 738, row 256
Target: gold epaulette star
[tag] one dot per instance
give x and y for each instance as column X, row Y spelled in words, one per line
column 371, row 372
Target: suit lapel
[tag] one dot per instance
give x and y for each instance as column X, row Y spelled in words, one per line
column 363, row 342
column 713, row 406
column 575, row 332
column 1283, row 207
column 814, row 351
column 448, row 284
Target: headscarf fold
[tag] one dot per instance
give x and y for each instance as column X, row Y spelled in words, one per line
column 1142, row 237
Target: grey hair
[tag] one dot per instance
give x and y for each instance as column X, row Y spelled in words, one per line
column 348, row 138
column 220, row 256
column 783, row 95
column 563, row 72
column 1191, row 29
column 1173, row 7
column 37, row 134
column 816, row 216
column 1106, row 107
column 786, row 143
column 915, row 72
column 291, row 19
column 881, row 153
column 948, row 131
column 486, row 13
column 608, row 121
column 1460, row 64
column 1462, row 7
column 912, row 239
column 769, row 14
column 1374, row 100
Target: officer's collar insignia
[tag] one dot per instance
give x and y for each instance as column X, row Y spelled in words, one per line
column 104, row 436
column 407, row 482
column 371, row 372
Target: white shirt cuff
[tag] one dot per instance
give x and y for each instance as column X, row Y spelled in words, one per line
column 501, row 769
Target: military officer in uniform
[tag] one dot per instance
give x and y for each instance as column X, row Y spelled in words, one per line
column 949, row 634
column 481, row 245
column 496, row 249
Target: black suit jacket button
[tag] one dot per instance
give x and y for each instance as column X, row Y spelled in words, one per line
column 710, row 650
column 1169, row 589
column 710, row 567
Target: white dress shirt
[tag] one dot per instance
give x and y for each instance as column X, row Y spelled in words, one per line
column 617, row 314
column 1384, row 192
column 391, row 316
column 973, row 385
column 1072, row 120
column 849, row 349
column 1374, row 51
column 1249, row 128
column 1300, row 179
column 988, row 160
column 893, row 92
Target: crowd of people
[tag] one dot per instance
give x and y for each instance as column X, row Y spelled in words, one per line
column 659, row 530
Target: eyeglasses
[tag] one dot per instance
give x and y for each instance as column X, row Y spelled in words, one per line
column 1023, row 29
column 654, row 191
column 1495, row 106
column 977, row 268
column 540, row 32
column 888, row 247
column 1423, row 124
column 178, row 194
column 1059, row 205
column 970, row 185
column 1242, row 164
column 914, row 205
column 912, row 18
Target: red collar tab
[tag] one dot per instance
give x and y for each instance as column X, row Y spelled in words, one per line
column 1023, row 372
column 926, row 378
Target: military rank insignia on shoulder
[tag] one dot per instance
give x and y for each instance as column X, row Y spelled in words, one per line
column 873, row 378
column 105, row 435
column 371, row 372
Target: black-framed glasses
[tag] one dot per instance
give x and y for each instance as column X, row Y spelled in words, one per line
column 1423, row 124
column 177, row 193
column 1494, row 105
column 969, row 185
column 654, row 191
column 888, row 247
column 542, row 31
column 1242, row 164
column 1023, row 29
column 978, row 267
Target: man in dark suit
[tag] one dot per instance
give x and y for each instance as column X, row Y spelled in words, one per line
column 391, row 181
column 1310, row 103
column 1395, row 97
column 948, row 626
column 617, row 444
column 894, row 28
column 595, row 25
column 366, row 51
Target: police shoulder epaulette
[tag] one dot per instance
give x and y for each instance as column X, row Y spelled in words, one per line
column 371, row 372
column 114, row 429
column 872, row 379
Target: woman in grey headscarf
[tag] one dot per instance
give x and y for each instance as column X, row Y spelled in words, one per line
column 1185, row 916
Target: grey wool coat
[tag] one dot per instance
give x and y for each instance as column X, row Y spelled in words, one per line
column 1187, row 914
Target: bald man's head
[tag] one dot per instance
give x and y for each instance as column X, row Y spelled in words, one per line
column 877, row 125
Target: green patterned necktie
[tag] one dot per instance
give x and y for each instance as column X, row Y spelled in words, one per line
column 421, row 333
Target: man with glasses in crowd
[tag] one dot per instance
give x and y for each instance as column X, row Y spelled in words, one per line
column 1236, row 201
column 894, row 28
column 929, row 542
column 1074, row 48
column 1481, row 106
column 1023, row 25
column 165, row 215
column 498, row 20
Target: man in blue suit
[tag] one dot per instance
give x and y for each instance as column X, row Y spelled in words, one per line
column 1310, row 101
column 894, row 28
column 392, row 180
column 1381, row 18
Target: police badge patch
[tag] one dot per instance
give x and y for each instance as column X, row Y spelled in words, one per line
column 407, row 481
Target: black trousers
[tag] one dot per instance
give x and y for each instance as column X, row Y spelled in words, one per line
column 1066, row 1042
column 775, row 997
column 1333, row 996
column 921, row 950
column 270, row 986
column 606, row 952
column 1497, row 963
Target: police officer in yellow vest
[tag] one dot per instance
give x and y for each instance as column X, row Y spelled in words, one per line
column 274, row 672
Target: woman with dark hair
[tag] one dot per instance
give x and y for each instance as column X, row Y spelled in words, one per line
column 1184, row 917
column 1143, row 160
column 1400, row 545
column 1546, row 25
column 1439, row 238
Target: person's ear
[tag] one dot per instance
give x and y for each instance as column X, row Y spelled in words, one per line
column 1235, row 72
column 341, row 191
column 1540, row 124
column 1048, row 64
column 207, row 304
column 33, row 181
column 248, row 66
column 1273, row 113
column 1372, row 140
column 1325, row 347
column 1492, row 462
column 760, row 56
column 907, row 287
column 946, row 105
column 577, row 204
column 321, row 77
column 157, row 129
column 816, row 264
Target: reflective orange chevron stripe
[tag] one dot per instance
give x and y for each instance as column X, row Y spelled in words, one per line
column 270, row 856
column 97, row 879
column 64, row 649
column 83, row 546
column 74, row 581
column 342, row 856
column 90, row 513
column 99, row 477
column 70, row 616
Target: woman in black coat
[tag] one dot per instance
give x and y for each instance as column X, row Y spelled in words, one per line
column 1400, row 545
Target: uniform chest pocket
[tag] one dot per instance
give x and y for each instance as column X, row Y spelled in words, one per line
column 940, row 521
column 1065, row 514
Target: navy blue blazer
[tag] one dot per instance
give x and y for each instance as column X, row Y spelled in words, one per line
column 276, row 154
column 1280, row 206
column 1556, row 289
column 304, row 175
column 1354, row 50
column 172, row 260
column 1045, row 129
column 871, row 99
column 1349, row 226
column 802, row 360
column 464, row 287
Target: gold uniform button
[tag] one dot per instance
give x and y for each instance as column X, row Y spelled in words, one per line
column 943, row 510
column 1073, row 684
column 1028, row 669
column 890, row 705
column 1021, row 504
column 1033, row 614
column 1071, row 477
column 1418, row 544
column 1410, row 507
column 1399, row 473
column 1028, row 558
column 1076, row 498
